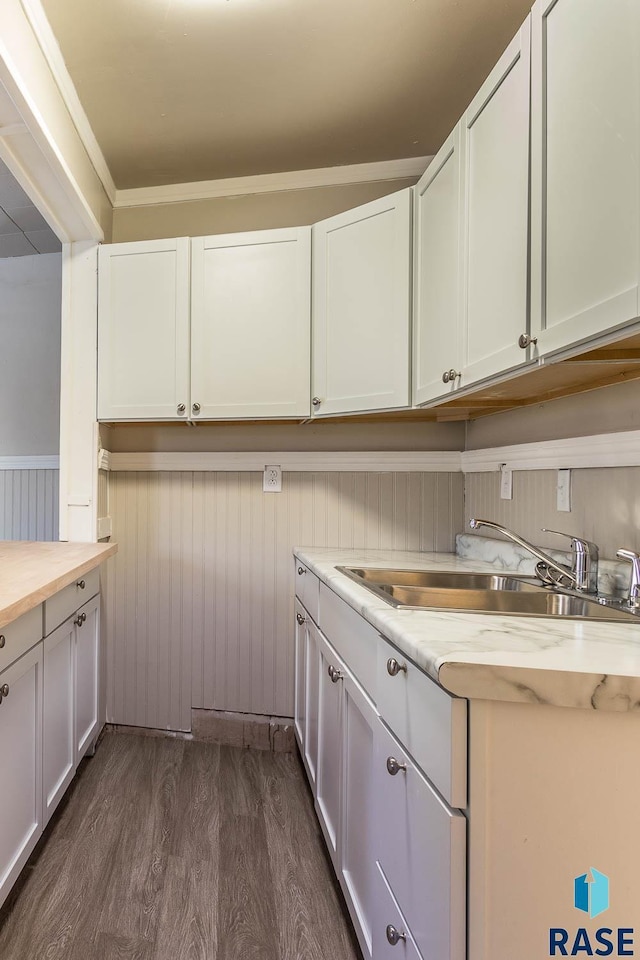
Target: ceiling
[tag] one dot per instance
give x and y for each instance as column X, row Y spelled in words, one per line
column 23, row 230
column 186, row 90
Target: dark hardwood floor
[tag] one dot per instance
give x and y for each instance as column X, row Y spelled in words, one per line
column 167, row 849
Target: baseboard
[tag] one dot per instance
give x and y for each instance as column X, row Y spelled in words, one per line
column 244, row 730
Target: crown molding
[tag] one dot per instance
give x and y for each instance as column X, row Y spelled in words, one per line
column 45, row 36
column 29, row 463
column 273, row 182
column 573, row 453
column 305, row 462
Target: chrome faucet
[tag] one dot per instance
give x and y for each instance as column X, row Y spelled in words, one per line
column 634, row 584
column 582, row 575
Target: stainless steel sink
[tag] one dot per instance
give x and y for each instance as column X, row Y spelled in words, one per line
column 481, row 593
column 440, row 579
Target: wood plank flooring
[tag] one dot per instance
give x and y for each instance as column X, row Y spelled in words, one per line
column 167, row 849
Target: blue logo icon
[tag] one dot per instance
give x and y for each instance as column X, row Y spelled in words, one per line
column 591, row 894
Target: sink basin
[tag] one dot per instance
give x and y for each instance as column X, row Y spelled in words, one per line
column 481, row 593
column 439, row 579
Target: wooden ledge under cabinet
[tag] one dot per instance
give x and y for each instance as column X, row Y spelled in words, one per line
column 30, row 573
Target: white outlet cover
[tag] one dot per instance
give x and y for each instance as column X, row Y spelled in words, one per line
column 272, row 478
column 564, row 491
column 506, row 483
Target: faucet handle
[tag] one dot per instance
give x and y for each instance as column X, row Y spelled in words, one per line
column 579, row 544
column 634, row 585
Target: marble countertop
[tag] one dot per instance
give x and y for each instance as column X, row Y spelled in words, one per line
column 592, row 665
column 32, row 572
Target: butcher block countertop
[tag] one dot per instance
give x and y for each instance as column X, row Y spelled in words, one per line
column 32, row 572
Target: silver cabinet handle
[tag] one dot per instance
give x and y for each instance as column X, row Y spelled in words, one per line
column 394, row 936
column 334, row 674
column 301, row 570
column 316, row 401
column 3, row 640
column 4, row 691
column 80, row 619
column 300, row 618
column 181, row 407
column 81, row 584
column 524, row 341
column 196, row 408
column 394, row 766
column 450, row 375
column 394, row 668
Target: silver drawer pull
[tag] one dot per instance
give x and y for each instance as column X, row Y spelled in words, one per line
column 394, row 936
column 394, row 668
column 80, row 619
column 81, row 584
column 300, row 618
column 4, row 691
column 394, row 766
column 3, row 640
column 301, row 570
column 334, row 674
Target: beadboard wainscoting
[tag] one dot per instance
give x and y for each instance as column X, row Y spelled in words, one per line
column 28, row 504
column 605, row 506
column 199, row 604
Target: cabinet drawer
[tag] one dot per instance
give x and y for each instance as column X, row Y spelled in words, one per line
column 354, row 639
column 430, row 723
column 387, row 920
column 17, row 637
column 422, row 850
column 62, row 604
column 307, row 589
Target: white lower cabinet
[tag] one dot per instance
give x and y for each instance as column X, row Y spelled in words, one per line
column 59, row 720
column 21, row 764
column 421, row 848
column 397, row 846
column 87, row 655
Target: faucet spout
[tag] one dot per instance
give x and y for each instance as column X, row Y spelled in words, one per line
column 547, row 569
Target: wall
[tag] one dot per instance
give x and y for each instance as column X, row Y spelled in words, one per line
column 199, row 598
column 28, row 504
column 30, row 303
column 261, row 211
column 605, row 506
column 319, row 435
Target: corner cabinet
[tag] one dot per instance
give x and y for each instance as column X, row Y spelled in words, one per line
column 209, row 328
column 361, row 308
column 585, row 271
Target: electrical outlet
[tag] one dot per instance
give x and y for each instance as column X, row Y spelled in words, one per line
column 506, row 483
column 564, row 491
column 272, row 478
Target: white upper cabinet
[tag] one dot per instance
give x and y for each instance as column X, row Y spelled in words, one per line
column 496, row 216
column 585, row 168
column 361, row 307
column 143, row 330
column 437, row 334
column 250, row 325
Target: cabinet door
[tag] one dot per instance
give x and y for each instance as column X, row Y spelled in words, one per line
column 143, row 330
column 357, row 849
column 21, row 764
column 496, row 215
column 332, row 673
column 437, row 287
column 421, row 846
column 300, row 635
column 251, row 324
column 361, row 307
column 59, row 722
column 87, row 640
column 585, row 184
column 312, row 701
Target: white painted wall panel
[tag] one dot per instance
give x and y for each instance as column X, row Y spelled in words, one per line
column 28, row 504
column 199, row 596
